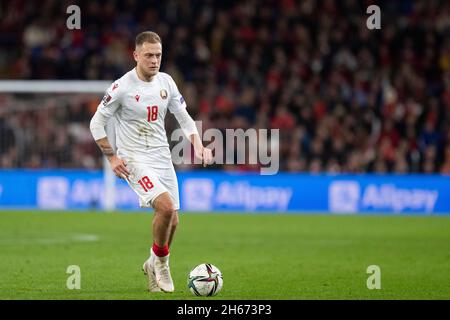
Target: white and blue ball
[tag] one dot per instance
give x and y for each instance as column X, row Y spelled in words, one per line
column 205, row 280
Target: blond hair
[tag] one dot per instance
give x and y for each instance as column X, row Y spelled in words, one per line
column 147, row 36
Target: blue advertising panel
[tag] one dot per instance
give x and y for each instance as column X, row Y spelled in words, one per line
column 241, row 192
column 420, row 194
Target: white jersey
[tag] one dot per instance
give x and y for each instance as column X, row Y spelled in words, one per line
column 139, row 109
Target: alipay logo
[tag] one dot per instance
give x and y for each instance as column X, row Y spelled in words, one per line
column 343, row 196
column 52, row 192
column 198, row 194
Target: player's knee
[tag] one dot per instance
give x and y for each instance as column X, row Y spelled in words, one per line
column 165, row 209
column 175, row 219
column 168, row 212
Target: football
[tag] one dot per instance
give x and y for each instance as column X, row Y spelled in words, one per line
column 205, row 280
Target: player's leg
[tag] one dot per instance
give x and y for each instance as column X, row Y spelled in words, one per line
column 168, row 179
column 162, row 224
column 145, row 182
column 160, row 192
column 157, row 266
column 153, row 285
column 173, row 227
column 162, row 220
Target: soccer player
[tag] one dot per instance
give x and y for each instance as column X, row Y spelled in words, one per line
column 139, row 101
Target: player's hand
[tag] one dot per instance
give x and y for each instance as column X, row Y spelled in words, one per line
column 119, row 167
column 207, row 156
column 204, row 154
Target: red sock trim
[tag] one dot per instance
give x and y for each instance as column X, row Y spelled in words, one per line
column 160, row 251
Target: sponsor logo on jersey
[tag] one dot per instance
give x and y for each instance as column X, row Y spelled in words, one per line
column 106, row 99
column 163, row 94
column 115, row 86
column 181, row 100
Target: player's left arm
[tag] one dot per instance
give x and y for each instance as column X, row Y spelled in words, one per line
column 177, row 106
column 187, row 124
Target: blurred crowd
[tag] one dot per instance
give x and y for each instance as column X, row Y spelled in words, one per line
column 345, row 98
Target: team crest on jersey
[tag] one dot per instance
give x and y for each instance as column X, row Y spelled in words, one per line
column 137, row 97
column 115, row 86
column 163, row 94
column 106, row 99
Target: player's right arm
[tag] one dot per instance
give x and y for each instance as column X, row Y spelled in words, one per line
column 106, row 109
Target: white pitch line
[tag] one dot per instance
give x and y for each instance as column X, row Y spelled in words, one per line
column 79, row 237
column 85, row 237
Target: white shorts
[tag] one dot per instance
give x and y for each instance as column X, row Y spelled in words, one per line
column 150, row 182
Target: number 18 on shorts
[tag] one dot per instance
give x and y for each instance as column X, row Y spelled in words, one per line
column 149, row 183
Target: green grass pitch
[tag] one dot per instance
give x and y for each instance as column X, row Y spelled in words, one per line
column 269, row 256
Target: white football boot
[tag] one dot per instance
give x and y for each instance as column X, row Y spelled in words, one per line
column 162, row 273
column 149, row 271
